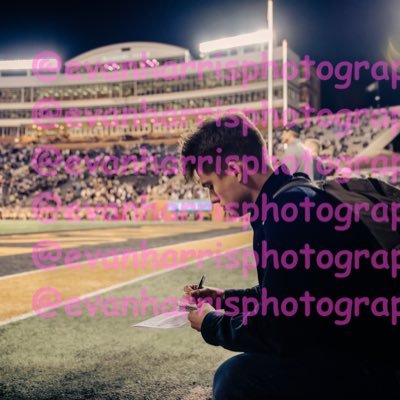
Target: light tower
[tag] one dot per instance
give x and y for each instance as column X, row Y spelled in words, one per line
column 270, row 5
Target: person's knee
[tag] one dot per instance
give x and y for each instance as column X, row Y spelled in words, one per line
column 222, row 381
column 227, row 380
column 246, row 376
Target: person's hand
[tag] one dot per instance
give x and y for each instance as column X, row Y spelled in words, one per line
column 196, row 317
column 211, row 292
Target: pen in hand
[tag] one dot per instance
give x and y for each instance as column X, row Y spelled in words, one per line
column 200, row 286
column 188, row 306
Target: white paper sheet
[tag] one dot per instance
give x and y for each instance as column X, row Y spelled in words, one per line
column 172, row 319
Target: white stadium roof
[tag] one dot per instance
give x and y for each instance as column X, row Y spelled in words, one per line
column 130, row 51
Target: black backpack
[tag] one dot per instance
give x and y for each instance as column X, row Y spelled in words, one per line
column 357, row 190
column 372, row 191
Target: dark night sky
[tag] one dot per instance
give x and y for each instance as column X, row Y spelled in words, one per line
column 325, row 29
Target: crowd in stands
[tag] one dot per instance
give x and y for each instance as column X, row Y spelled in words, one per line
column 20, row 183
column 345, row 134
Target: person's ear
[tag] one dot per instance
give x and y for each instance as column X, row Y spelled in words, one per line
column 235, row 169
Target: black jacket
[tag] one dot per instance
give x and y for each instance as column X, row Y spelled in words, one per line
column 365, row 336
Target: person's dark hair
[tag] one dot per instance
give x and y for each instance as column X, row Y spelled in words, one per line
column 232, row 134
column 295, row 130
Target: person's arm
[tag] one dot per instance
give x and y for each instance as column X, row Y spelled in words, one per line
column 263, row 333
column 230, row 333
column 240, row 293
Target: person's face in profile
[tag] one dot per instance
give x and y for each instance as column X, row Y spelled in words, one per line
column 226, row 188
column 312, row 147
column 285, row 137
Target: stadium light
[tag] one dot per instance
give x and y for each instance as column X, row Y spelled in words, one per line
column 17, row 65
column 270, row 36
column 260, row 36
column 285, row 82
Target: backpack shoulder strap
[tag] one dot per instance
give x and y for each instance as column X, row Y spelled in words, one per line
column 356, row 191
column 298, row 180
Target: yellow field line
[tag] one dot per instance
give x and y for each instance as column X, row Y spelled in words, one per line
column 95, row 236
column 17, row 291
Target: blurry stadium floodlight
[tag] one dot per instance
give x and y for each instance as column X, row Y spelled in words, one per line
column 16, row 65
column 392, row 53
column 260, row 36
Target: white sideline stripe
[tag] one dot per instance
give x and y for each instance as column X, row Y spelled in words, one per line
column 35, row 271
column 110, row 288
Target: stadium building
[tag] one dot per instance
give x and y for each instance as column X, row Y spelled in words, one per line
column 117, row 99
column 145, row 90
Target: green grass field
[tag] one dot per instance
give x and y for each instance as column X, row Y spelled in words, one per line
column 105, row 358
